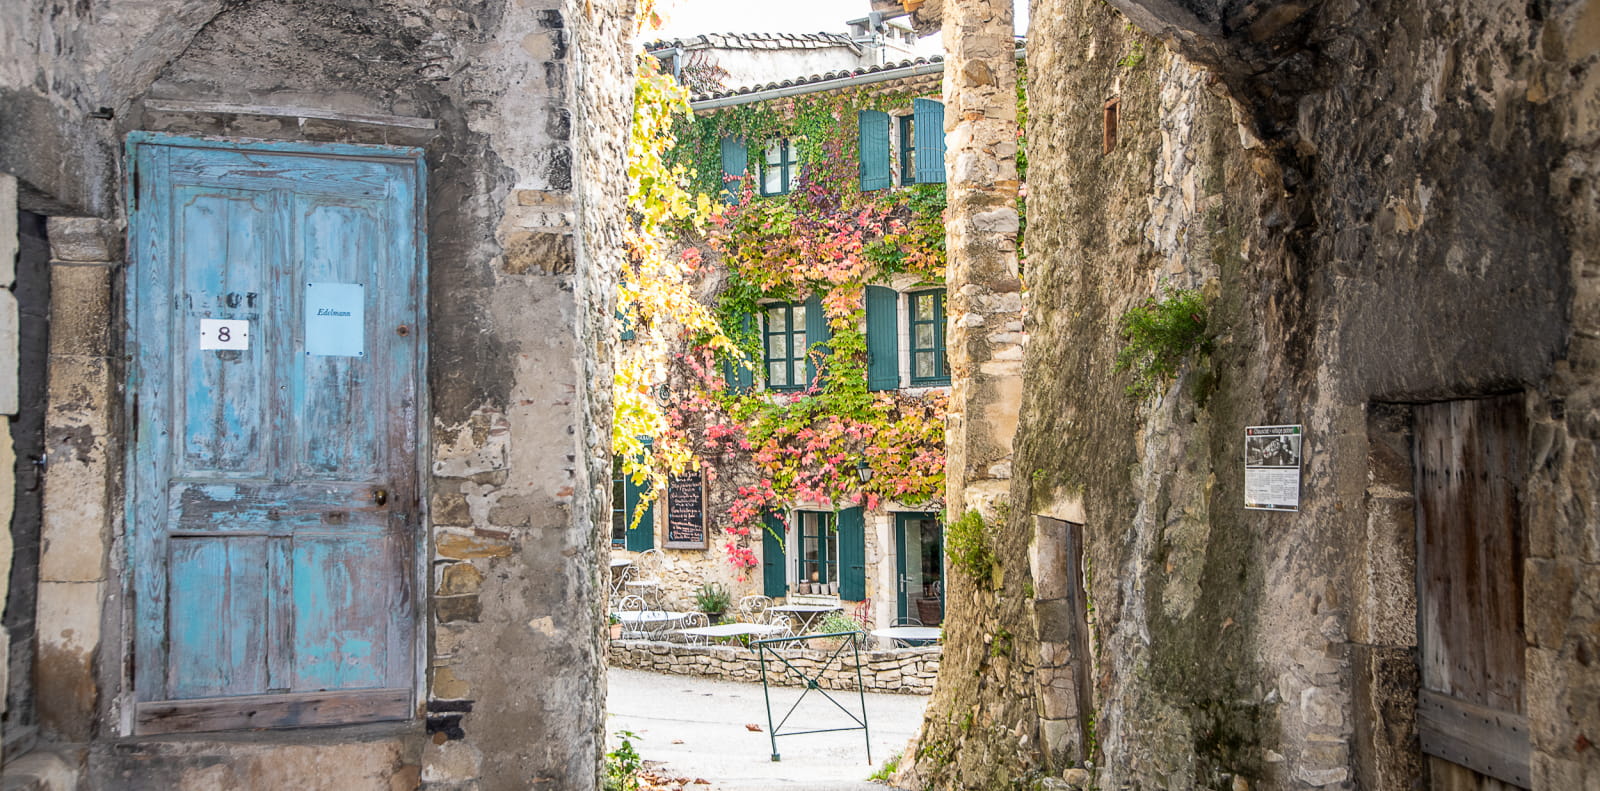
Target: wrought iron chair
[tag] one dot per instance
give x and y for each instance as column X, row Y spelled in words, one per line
column 780, row 620
column 898, row 642
column 645, row 582
column 863, row 614
column 751, row 608
column 691, row 621
column 619, row 576
column 636, row 629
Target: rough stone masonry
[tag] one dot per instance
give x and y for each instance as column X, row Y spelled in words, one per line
column 1386, row 206
column 520, row 109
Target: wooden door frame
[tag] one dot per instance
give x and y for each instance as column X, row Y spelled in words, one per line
column 420, row 543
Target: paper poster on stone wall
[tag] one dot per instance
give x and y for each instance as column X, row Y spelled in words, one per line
column 1272, row 457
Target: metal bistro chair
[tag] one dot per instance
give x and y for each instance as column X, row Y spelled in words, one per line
column 691, row 621
column 619, row 576
column 900, row 643
column 636, row 629
column 783, row 621
column 751, row 608
column 646, row 580
column 863, row 614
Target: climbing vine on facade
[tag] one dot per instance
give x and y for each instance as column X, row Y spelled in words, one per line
column 824, row 240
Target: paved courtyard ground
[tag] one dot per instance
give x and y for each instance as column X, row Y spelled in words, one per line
column 696, row 728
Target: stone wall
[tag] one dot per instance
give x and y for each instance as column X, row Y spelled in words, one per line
column 10, row 337
column 908, row 671
column 521, row 110
column 1383, row 204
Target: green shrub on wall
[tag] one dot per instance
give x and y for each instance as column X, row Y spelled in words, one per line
column 966, row 542
column 1157, row 336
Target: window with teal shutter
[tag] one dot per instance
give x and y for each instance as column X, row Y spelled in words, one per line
column 852, row 555
column 783, row 346
column 619, row 504
column 874, row 149
column 883, row 338
column 780, row 167
column 734, row 162
column 817, row 555
column 928, row 364
column 908, row 150
column 819, row 333
column 929, row 132
column 641, row 534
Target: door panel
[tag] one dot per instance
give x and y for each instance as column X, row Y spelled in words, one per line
column 274, row 527
column 1470, row 549
column 217, row 617
column 224, row 238
column 342, row 631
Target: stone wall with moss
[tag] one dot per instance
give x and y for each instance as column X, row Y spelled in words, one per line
column 1383, row 204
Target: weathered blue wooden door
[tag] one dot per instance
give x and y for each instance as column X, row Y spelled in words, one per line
column 275, row 295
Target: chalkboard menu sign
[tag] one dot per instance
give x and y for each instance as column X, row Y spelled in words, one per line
column 686, row 512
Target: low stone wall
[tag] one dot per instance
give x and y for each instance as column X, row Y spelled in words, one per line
column 908, row 671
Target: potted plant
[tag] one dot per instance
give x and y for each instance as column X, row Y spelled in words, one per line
column 713, row 600
column 616, row 626
column 832, row 623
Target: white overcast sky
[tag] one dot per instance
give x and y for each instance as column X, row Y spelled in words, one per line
column 692, row 17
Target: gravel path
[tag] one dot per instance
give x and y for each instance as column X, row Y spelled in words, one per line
column 696, row 728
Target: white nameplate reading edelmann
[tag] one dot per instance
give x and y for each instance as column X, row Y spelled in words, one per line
column 1272, row 456
column 224, row 334
column 336, row 319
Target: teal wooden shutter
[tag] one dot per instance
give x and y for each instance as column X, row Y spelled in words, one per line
column 852, row 554
column 817, row 334
column 734, row 162
column 929, row 132
column 644, row 536
column 883, row 338
column 741, row 378
column 774, row 571
column 627, row 329
column 874, row 149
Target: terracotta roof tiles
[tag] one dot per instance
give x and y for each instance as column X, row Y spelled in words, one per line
column 821, row 80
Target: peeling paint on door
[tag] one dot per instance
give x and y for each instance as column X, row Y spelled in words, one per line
column 274, row 526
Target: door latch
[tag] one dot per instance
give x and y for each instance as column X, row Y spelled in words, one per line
column 380, row 496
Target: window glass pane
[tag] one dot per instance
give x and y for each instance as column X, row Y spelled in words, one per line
column 799, row 316
column 772, row 180
column 799, row 345
column 775, row 152
column 923, row 368
column 776, row 348
column 922, row 305
column 777, row 319
column 619, row 493
column 777, row 374
column 924, row 336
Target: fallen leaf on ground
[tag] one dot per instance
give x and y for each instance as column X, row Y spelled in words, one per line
column 750, row 726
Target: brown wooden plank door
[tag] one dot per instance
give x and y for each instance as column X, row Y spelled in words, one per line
column 1471, row 712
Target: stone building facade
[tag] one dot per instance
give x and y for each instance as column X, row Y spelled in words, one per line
column 438, row 618
column 1389, row 212
column 880, row 556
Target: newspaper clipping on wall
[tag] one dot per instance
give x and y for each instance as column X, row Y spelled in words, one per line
column 1272, row 457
